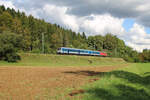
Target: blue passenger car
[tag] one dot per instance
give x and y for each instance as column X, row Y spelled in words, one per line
column 64, row 50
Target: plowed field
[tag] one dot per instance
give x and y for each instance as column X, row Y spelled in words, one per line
column 43, row 83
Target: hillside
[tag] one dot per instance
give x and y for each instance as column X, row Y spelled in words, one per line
column 28, row 34
column 44, row 60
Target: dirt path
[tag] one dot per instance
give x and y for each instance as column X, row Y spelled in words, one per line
column 48, row 83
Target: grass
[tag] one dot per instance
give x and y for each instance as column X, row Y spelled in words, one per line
column 63, row 60
column 130, row 83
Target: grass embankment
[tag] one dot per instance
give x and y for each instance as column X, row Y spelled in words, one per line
column 130, row 83
column 63, row 60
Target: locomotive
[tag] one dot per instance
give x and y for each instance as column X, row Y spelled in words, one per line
column 73, row 51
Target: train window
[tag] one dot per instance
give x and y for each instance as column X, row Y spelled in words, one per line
column 64, row 49
column 72, row 50
column 96, row 52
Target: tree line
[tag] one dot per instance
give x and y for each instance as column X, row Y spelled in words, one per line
column 21, row 33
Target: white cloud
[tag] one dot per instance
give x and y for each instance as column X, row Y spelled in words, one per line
column 10, row 4
column 57, row 14
column 138, row 30
column 137, row 38
column 102, row 24
column 7, row 4
column 33, row 12
column 92, row 25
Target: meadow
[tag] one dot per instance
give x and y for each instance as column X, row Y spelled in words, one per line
column 50, row 60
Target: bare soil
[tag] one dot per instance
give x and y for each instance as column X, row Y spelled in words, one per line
column 43, row 83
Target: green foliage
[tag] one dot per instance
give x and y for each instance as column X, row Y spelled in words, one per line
column 5, row 21
column 110, row 42
column 12, row 57
column 145, row 56
column 8, row 42
column 128, row 59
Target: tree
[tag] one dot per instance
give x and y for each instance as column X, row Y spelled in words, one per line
column 56, row 41
column 5, row 21
column 16, row 26
column 110, row 42
column 145, row 56
column 91, row 42
column 99, row 42
column 8, row 43
column 65, row 40
column 83, row 36
column 2, row 7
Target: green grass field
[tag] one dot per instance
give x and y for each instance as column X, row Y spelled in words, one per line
column 50, row 60
column 130, row 83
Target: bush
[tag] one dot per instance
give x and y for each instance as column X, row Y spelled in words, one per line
column 12, row 57
column 8, row 52
column 128, row 59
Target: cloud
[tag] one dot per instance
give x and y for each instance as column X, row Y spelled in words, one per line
column 137, row 38
column 57, row 14
column 7, row 4
column 102, row 24
column 92, row 25
column 117, row 8
column 137, row 9
column 144, row 19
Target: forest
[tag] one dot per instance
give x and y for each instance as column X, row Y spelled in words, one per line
column 22, row 33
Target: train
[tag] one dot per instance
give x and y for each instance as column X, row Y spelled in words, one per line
column 74, row 51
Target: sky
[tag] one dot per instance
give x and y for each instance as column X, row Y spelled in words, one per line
column 127, row 19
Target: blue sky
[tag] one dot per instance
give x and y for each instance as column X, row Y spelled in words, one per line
column 128, row 24
column 147, row 30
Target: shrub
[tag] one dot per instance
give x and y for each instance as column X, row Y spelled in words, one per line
column 8, row 52
column 128, row 59
column 12, row 57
